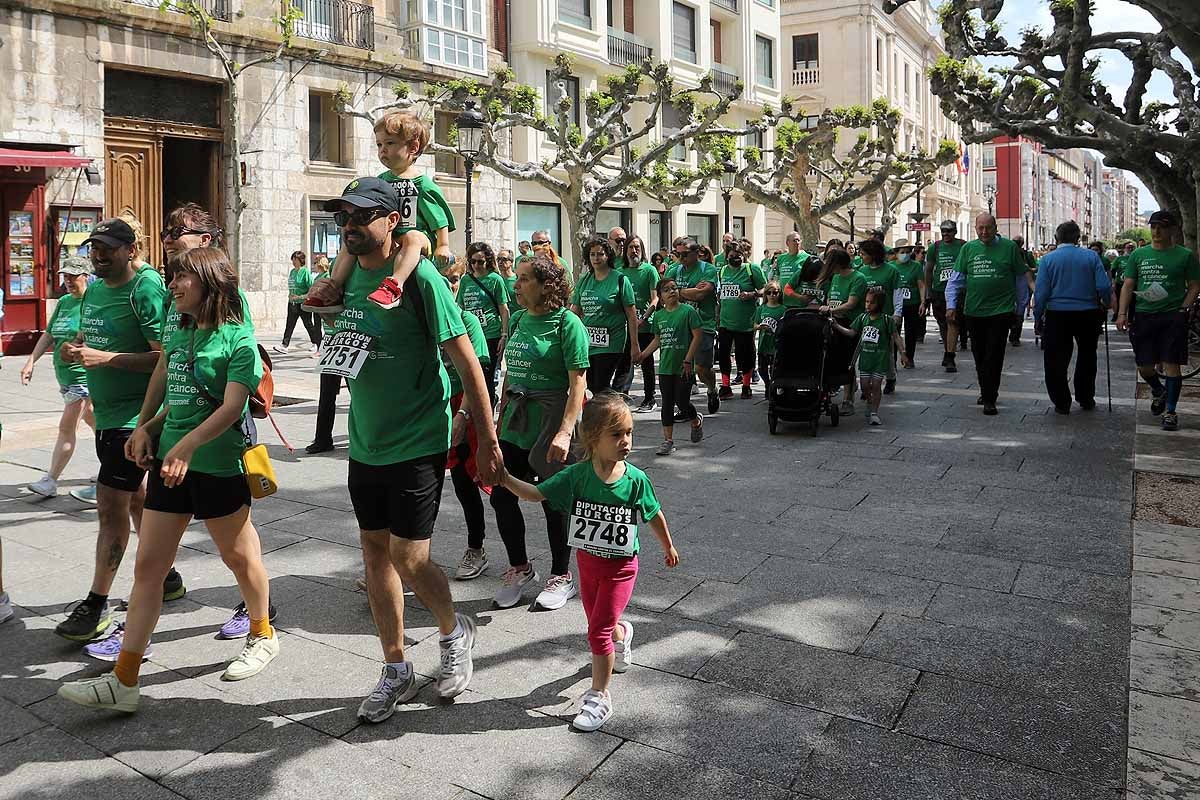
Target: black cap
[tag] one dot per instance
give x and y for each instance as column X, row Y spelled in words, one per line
column 112, row 233
column 949, row 225
column 367, row 193
column 1163, row 218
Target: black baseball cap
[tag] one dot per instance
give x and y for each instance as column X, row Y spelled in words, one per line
column 112, row 233
column 1163, row 218
column 367, row 193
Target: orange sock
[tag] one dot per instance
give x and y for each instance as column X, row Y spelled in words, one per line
column 129, row 664
column 261, row 627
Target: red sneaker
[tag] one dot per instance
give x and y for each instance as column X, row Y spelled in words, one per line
column 315, row 305
column 388, row 295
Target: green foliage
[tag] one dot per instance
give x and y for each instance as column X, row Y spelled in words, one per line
column 1133, row 234
column 574, row 136
column 401, row 90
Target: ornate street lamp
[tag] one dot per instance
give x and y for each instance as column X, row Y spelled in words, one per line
column 470, row 139
column 727, row 177
column 989, row 191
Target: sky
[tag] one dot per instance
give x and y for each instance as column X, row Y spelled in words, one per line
column 1109, row 15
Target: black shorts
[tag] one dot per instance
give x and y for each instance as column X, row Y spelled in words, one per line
column 1160, row 338
column 201, row 495
column 402, row 498
column 117, row 471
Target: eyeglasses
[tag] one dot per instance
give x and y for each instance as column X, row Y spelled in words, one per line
column 504, row 260
column 480, row 261
column 180, row 231
column 360, row 216
column 541, row 243
column 773, row 291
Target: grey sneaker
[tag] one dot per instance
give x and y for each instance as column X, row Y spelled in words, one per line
column 698, row 429
column 875, row 420
column 472, row 565
column 623, row 650
column 457, row 666
column 6, row 609
column 45, row 486
column 666, row 448
column 390, row 692
column 559, row 589
column 847, row 408
column 515, row 582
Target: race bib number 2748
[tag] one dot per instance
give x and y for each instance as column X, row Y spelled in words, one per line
column 603, row 529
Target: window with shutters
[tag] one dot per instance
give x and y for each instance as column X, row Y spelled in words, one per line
column 683, row 32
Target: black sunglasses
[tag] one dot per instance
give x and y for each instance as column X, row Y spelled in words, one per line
column 360, row 216
column 178, row 231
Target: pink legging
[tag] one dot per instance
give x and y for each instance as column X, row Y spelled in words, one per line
column 605, row 586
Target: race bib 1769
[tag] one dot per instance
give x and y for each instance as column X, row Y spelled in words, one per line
column 602, row 529
column 730, row 291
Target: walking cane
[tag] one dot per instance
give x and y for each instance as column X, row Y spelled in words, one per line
column 1107, row 362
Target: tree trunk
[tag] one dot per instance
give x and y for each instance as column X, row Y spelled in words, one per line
column 234, row 240
column 581, row 218
column 810, row 230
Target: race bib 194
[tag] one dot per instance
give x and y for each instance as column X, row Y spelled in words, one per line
column 870, row 335
column 602, row 529
column 597, row 337
column 730, row 291
column 345, row 353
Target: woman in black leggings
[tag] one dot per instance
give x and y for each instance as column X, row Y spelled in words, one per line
column 604, row 300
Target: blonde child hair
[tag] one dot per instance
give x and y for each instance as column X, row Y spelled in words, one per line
column 140, row 245
column 605, row 412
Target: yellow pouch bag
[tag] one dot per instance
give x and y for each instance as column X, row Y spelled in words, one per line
column 260, row 475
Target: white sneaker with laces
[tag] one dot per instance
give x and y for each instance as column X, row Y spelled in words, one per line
column 45, row 486
column 594, row 710
column 103, row 692
column 472, row 565
column 623, row 650
column 278, row 348
column 875, row 420
column 559, row 589
column 515, row 582
column 258, row 652
column 457, row 667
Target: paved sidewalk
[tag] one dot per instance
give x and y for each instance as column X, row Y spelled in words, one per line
column 938, row 608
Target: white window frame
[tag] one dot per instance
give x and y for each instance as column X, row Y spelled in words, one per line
column 695, row 53
column 457, row 27
column 758, row 77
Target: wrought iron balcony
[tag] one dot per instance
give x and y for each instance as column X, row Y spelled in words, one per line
column 731, row 5
column 336, row 21
column 724, row 81
column 624, row 48
column 217, row 9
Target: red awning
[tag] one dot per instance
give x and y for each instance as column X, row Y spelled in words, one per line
column 41, row 158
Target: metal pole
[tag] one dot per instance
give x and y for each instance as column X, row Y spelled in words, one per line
column 727, row 196
column 918, row 211
column 851, row 213
column 470, row 226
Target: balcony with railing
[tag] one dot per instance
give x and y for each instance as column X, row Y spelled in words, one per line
column 728, row 5
column 806, row 73
column 625, row 48
column 724, row 81
column 217, row 9
column 336, row 21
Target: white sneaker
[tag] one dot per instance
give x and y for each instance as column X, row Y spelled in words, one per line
column 623, row 650
column 559, row 589
column 103, row 692
column 278, row 348
column 515, row 582
column 6, row 609
column 594, row 710
column 45, row 487
column 457, row 666
column 258, row 652
column 875, row 420
column 472, row 565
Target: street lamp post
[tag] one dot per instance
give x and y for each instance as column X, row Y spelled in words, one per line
column 918, row 217
column 850, row 213
column 989, row 191
column 470, row 136
column 727, row 194
column 1025, row 229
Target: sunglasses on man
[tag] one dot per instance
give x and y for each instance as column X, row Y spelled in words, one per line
column 359, row 217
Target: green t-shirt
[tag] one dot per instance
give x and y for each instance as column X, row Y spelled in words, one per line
column 620, row 507
column 64, row 327
column 509, row 285
column 147, row 271
column 886, row 277
column 125, row 319
column 171, row 316
column 478, row 344
column 423, row 207
column 602, row 304
column 1159, row 271
column 787, row 266
column 816, row 292
column 689, row 279
column 857, row 262
column 769, row 316
column 843, row 287
column 719, row 260
column 874, row 342
column 221, row 355
column 910, row 273
column 300, row 280
column 941, row 257
column 483, row 297
column 674, row 332
column 991, row 272
column 541, row 351
column 400, row 401
column 644, row 278
column 738, row 314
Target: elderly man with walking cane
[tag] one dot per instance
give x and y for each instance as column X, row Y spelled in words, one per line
column 1070, row 300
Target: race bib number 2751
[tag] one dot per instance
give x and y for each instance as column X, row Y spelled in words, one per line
column 345, row 353
column 603, row 529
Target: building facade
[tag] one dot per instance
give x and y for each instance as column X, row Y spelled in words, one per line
column 852, row 53
column 134, row 108
column 734, row 39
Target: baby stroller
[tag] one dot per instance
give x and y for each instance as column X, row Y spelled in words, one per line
column 811, row 362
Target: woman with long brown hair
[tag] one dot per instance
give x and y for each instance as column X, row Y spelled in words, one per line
column 195, row 470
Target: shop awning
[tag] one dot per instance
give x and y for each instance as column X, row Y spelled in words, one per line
column 60, row 159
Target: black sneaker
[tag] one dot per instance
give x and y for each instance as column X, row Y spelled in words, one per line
column 318, row 447
column 681, row 417
column 979, row 400
column 1062, row 409
column 889, row 386
column 725, row 392
column 747, row 393
column 1170, row 421
column 647, row 405
column 173, row 587
column 1089, row 405
column 989, row 409
column 714, row 402
column 1158, row 404
column 87, row 621
column 951, row 366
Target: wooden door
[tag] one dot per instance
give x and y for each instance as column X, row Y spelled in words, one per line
column 133, row 181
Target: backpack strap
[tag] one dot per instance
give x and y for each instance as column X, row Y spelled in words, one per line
column 486, row 291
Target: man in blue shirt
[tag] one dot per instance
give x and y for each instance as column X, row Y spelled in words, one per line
column 1069, row 301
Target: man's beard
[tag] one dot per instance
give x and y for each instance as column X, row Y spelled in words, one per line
column 361, row 244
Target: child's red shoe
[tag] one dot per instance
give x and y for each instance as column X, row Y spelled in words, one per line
column 388, row 295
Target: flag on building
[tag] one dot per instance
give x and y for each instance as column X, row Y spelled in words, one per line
column 964, row 160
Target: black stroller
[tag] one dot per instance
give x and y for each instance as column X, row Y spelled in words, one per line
column 811, row 362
